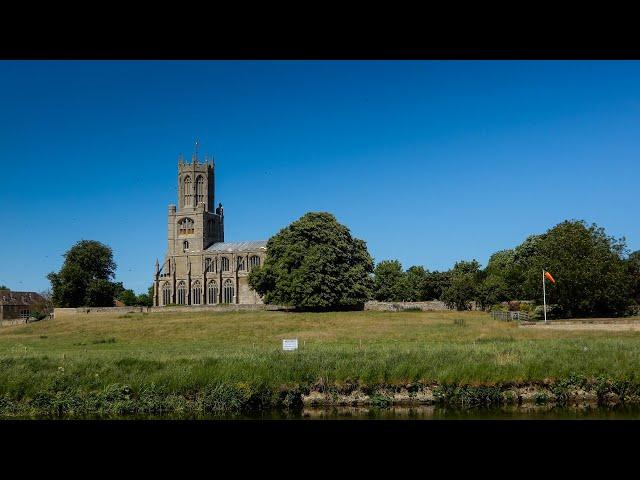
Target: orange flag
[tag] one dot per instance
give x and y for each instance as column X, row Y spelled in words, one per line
column 548, row 276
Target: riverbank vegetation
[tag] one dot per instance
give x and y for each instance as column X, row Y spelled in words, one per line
column 203, row 362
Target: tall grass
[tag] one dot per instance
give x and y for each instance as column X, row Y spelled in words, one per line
column 234, row 359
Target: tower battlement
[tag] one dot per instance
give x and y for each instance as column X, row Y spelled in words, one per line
column 195, row 162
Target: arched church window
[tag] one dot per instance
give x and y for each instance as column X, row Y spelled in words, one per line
column 187, row 191
column 199, row 189
column 166, row 294
column 254, row 261
column 240, row 266
column 186, row 226
column 182, row 293
column 228, row 291
column 213, row 292
column 196, row 293
column 224, row 264
column 208, row 265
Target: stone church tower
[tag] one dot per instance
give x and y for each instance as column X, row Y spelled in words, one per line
column 200, row 268
column 194, row 225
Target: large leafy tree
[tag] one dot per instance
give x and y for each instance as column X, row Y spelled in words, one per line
column 592, row 277
column 465, row 278
column 417, row 282
column 390, row 282
column 85, row 278
column 315, row 263
column 436, row 283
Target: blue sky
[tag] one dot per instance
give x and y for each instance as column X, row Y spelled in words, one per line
column 428, row 161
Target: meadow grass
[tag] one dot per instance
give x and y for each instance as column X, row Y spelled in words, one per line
column 182, row 354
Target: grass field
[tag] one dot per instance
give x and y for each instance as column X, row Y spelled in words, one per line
column 182, row 354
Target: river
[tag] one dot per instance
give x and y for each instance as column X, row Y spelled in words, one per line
column 422, row 412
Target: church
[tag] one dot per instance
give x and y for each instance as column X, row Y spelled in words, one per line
column 200, row 268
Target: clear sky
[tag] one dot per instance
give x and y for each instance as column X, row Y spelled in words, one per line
column 428, row 161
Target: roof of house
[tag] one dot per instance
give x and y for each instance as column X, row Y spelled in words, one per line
column 8, row 297
column 238, row 246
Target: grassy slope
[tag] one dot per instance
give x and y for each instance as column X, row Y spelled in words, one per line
column 185, row 351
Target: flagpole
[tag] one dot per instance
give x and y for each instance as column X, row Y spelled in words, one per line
column 544, row 297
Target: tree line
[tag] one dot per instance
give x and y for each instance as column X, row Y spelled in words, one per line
column 316, row 264
column 595, row 273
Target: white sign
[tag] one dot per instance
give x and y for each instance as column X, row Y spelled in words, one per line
column 290, row 344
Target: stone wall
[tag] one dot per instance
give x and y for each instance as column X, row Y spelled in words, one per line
column 97, row 311
column 430, row 306
column 72, row 312
column 15, row 321
column 433, row 305
column 220, row 307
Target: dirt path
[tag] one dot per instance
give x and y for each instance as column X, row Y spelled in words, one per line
column 619, row 326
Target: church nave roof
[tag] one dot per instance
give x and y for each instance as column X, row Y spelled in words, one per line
column 237, row 246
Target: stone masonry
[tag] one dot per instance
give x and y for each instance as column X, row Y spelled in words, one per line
column 200, row 268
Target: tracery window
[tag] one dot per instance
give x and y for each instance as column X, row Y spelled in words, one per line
column 213, row 292
column 182, row 293
column 240, row 266
column 196, row 296
column 209, row 265
column 166, row 294
column 185, row 226
column 187, row 191
column 199, row 189
column 224, row 264
column 228, row 291
column 254, row 261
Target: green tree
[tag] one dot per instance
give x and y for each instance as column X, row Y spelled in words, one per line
column 416, row 279
column 128, row 297
column 100, row 293
column 633, row 263
column 390, row 282
column 493, row 289
column 504, row 276
column 463, row 289
column 146, row 299
column 436, row 283
column 85, row 278
column 315, row 263
column 592, row 277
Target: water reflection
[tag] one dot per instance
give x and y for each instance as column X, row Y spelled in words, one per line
column 421, row 412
